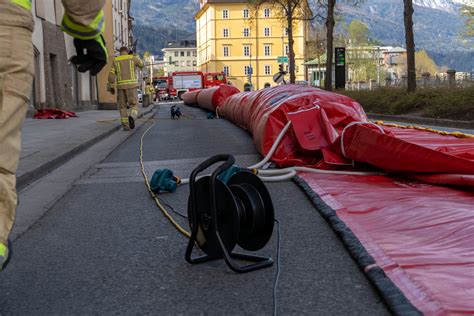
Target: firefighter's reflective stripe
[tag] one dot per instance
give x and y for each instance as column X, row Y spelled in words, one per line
column 119, row 71
column 124, row 57
column 22, row 3
column 3, row 251
column 134, row 112
column 124, row 82
column 132, row 71
column 90, row 31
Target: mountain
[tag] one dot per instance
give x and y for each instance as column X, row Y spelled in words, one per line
column 159, row 21
column 437, row 25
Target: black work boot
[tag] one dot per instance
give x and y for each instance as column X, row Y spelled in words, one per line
column 131, row 122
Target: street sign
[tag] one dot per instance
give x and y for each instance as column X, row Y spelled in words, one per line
column 340, row 69
column 278, row 77
column 282, row 59
column 340, row 56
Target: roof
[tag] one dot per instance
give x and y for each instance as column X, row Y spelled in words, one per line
column 316, row 61
column 397, row 50
column 184, row 43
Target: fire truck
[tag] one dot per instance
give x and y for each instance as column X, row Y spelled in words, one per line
column 162, row 87
column 184, row 81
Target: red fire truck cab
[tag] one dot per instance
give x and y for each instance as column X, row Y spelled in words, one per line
column 184, row 81
column 162, row 87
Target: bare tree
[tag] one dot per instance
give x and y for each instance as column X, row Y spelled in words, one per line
column 328, row 9
column 330, row 22
column 292, row 12
column 410, row 42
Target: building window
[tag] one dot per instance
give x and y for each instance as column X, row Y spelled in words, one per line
column 287, row 50
column 266, row 31
column 176, row 54
column 226, row 70
column 226, row 51
column 266, row 12
column 225, row 32
column 188, row 53
column 194, row 63
column 246, row 13
column 246, row 32
column 225, row 14
column 285, row 31
column 266, row 50
column 176, row 63
column 268, row 69
column 182, row 54
column 188, row 63
column 195, row 53
column 246, row 50
column 183, row 63
column 247, row 70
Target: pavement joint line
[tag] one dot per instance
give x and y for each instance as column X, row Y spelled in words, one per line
column 31, row 176
column 167, row 162
column 19, row 232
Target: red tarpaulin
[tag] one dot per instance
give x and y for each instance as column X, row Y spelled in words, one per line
column 53, row 114
column 421, row 235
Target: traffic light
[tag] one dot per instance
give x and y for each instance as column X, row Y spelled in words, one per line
column 280, row 68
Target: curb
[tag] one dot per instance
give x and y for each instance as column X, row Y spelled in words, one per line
column 42, row 170
column 422, row 120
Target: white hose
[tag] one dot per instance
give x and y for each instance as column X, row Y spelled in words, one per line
column 315, row 170
column 273, row 148
column 283, row 177
column 275, row 175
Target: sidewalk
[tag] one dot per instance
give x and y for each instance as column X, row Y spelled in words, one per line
column 46, row 144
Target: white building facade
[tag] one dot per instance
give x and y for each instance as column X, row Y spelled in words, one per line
column 180, row 56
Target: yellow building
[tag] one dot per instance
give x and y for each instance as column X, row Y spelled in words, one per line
column 236, row 38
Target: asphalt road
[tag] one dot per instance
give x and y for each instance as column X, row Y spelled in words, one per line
column 104, row 247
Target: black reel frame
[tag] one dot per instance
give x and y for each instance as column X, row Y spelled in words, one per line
column 229, row 256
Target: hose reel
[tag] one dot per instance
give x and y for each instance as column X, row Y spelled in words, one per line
column 227, row 211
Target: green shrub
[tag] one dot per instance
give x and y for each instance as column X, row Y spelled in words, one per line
column 446, row 103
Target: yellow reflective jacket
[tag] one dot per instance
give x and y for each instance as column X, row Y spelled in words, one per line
column 123, row 71
column 83, row 19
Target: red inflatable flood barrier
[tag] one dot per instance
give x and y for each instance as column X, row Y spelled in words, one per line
column 190, row 98
column 413, row 239
column 420, row 235
column 212, row 98
column 317, row 117
column 332, row 131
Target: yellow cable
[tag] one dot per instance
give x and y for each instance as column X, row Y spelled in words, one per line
column 153, row 195
column 426, row 129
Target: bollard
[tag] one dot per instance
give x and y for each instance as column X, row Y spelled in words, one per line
column 372, row 84
column 451, row 78
column 404, row 81
column 426, row 79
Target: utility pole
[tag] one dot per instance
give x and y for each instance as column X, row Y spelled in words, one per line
column 378, row 65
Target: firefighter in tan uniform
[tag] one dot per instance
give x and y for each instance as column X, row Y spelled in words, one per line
column 123, row 77
column 84, row 20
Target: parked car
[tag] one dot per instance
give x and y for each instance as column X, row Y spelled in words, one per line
column 140, row 95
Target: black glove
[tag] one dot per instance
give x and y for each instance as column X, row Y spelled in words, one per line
column 95, row 57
